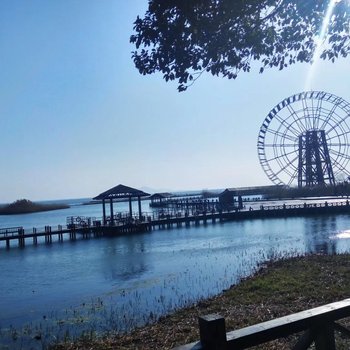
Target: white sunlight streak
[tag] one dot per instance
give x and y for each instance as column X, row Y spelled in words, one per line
column 319, row 44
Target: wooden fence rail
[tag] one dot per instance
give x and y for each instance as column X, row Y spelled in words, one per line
column 318, row 325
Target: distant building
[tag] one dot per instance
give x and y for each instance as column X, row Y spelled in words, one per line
column 159, row 200
column 229, row 200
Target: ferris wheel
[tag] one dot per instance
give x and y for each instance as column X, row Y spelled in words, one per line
column 304, row 140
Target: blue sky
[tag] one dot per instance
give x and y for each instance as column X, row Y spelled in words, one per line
column 77, row 118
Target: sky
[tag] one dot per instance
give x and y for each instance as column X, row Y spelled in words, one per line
column 76, row 117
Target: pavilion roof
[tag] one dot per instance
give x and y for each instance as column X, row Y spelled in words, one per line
column 161, row 195
column 121, row 191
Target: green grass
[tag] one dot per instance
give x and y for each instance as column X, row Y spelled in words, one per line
column 277, row 289
column 299, row 278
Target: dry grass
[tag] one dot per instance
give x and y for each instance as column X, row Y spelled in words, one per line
column 277, row 289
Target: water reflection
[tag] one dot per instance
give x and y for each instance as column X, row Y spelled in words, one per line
column 318, row 231
column 142, row 276
column 124, row 258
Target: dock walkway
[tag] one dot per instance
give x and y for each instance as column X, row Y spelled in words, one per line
column 86, row 227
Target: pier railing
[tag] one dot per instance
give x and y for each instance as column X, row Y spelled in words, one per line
column 122, row 223
column 10, row 231
column 318, row 325
column 120, row 219
column 305, row 205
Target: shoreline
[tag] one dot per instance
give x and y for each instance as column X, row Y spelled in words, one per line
column 276, row 289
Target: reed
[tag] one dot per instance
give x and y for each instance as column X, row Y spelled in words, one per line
column 161, row 316
column 278, row 288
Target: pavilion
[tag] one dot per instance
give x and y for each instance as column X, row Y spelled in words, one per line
column 160, row 199
column 120, row 192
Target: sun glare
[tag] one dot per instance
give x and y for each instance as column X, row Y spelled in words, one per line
column 319, row 43
column 342, row 235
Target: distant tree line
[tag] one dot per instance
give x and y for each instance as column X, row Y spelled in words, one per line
column 23, row 206
column 340, row 189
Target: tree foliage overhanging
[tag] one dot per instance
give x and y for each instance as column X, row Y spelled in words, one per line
column 184, row 38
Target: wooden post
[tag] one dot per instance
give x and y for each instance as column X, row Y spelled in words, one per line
column 130, row 207
column 35, row 238
column 104, row 211
column 168, row 221
column 21, row 240
column 324, row 337
column 111, row 206
column 212, row 332
column 140, row 212
column 196, row 220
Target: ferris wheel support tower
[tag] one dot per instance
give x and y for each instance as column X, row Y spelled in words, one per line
column 314, row 167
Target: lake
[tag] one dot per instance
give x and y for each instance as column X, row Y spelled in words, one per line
column 102, row 284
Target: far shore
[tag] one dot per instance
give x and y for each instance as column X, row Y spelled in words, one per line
column 25, row 206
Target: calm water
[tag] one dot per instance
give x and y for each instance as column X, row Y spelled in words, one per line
column 122, row 282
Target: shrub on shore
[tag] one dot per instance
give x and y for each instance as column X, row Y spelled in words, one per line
column 23, row 206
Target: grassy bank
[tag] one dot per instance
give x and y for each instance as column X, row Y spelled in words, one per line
column 277, row 289
column 24, row 206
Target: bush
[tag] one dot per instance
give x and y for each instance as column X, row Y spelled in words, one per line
column 23, row 206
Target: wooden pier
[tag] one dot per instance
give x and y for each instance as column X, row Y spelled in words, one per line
column 122, row 224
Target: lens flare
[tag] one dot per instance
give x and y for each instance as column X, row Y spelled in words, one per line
column 342, row 235
column 319, row 43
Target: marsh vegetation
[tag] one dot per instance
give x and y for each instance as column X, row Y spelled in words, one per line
column 23, row 206
column 278, row 288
